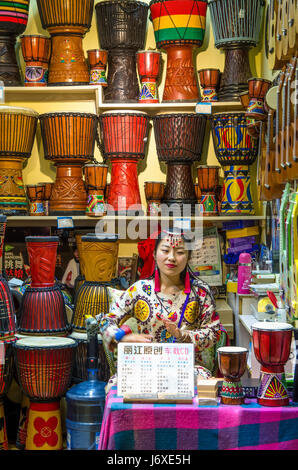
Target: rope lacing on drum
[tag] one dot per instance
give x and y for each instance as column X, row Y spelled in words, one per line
column 163, row 2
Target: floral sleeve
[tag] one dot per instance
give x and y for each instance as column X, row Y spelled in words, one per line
column 204, row 333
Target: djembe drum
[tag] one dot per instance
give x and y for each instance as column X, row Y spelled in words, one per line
column 6, row 374
column 47, row 196
column 179, row 28
column 124, row 136
column 68, row 141
column 80, row 372
column 179, row 142
column 99, row 254
column 154, row 192
column 17, row 133
column 95, row 179
column 232, row 362
column 13, row 22
column 209, row 80
column 236, row 28
column 67, row 23
column 257, row 89
column 121, row 26
column 98, row 62
column 272, row 346
column 44, row 367
column 148, row 63
column 36, row 195
column 42, row 310
column 235, row 151
column 36, row 51
column 208, row 178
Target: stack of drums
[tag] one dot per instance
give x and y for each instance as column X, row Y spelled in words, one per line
column 179, row 142
column 67, row 23
column 68, row 141
column 13, row 22
column 7, row 339
column 17, row 129
column 179, row 28
column 124, row 136
column 121, row 31
column 208, row 179
column 36, row 51
column 236, row 26
column 235, row 151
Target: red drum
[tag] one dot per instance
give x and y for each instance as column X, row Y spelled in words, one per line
column 6, row 374
column 124, row 136
column 36, row 52
column 42, row 253
column 148, row 63
column 98, row 59
column 272, row 346
column 44, row 367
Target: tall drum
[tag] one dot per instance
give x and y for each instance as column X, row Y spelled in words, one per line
column 179, row 28
column 68, row 141
column 44, row 366
column 67, row 22
column 272, row 346
column 17, row 133
column 236, row 27
column 13, row 22
column 179, row 142
column 121, row 29
column 124, row 136
column 235, row 150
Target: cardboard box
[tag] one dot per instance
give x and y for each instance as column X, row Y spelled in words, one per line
column 224, row 311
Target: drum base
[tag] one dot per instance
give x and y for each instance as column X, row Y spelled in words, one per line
column 9, row 70
column 90, row 299
column 44, row 430
column 232, row 393
column 123, row 85
column 236, row 199
column 236, row 73
column 272, row 390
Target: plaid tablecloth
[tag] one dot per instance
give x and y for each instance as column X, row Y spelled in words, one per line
column 190, row 427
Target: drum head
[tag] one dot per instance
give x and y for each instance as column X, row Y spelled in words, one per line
column 271, row 326
column 50, row 342
column 124, row 111
column 271, row 98
column 18, row 110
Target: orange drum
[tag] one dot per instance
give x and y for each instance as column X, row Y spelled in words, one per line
column 208, row 177
column 36, row 51
column 69, row 141
column 154, row 192
column 67, row 23
column 257, row 89
column 209, row 79
column 98, row 59
column 148, row 63
column 95, row 179
column 36, row 195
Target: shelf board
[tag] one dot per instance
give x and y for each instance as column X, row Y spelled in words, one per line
column 49, row 93
column 156, row 107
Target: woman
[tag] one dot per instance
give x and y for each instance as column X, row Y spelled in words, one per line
column 172, row 306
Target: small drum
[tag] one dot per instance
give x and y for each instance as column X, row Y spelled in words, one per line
column 69, row 141
column 209, row 79
column 272, row 346
column 13, row 22
column 154, row 192
column 179, row 27
column 6, row 375
column 208, row 178
column 236, row 27
column 95, row 179
column 36, row 196
column 80, row 373
column 179, row 141
column 36, row 51
column 121, row 30
column 48, row 187
column 98, row 62
column 67, row 23
column 42, row 252
column 17, row 134
column 44, row 367
column 148, row 63
column 232, row 362
column 257, row 88
column 124, row 136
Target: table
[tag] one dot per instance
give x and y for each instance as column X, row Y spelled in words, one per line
column 128, row 426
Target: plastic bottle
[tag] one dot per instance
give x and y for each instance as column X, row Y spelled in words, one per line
column 244, row 274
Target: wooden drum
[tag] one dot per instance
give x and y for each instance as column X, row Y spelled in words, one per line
column 69, row 141
column 17, row 133
column 208, row 179
column 36, row 196
column 232, row 361
column 179, row 28
column 98, row 62
column 154, row 192
column 257, row 88
column 149, row 63
column 209, row 79
column 36, row 51
column 67, row 22
column 95, row 180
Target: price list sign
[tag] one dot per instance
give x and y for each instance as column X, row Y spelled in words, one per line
column 155, row 370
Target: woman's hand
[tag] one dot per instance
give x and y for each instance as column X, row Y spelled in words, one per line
column 172, row 329
column 136, row 338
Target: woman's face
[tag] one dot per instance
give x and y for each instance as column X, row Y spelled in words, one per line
column 171, row 260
